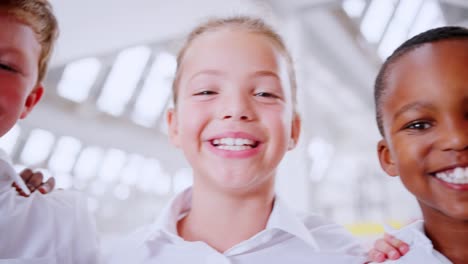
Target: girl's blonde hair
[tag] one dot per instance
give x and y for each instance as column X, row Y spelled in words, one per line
column 38, row 15
column 250, row 24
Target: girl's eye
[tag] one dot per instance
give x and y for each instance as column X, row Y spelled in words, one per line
column 205, row 93
column 419, row 125
column 265, row 94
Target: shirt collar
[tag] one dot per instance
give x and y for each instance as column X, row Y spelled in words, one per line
column 176, row 209
column 4, row 156
column 281, row 218
column 284, row 219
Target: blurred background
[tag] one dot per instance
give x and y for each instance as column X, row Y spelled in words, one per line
column 101, row 128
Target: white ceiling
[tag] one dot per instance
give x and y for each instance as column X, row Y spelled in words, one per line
column 98, row 27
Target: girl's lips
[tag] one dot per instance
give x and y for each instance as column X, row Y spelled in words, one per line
column 243, row 135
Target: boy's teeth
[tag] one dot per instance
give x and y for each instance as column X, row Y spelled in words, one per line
column 457, row 176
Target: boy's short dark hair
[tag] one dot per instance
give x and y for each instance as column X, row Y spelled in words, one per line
column 38, row 15
column 430, row 36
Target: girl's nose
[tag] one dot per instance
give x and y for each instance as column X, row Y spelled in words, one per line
column 237, row 108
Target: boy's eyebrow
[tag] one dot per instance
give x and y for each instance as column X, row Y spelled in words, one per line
column 265, row 73
column 11, row 50
column 412, row 106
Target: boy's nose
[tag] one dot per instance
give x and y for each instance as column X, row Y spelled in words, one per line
column 456, row 136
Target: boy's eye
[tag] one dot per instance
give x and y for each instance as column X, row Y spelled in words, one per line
column 419, row 125
column 6, row 67
column 266, row 94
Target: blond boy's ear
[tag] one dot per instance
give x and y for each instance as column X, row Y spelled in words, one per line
column 295, row 131
column 386, row 160
column 172, row 124
column 31, row 101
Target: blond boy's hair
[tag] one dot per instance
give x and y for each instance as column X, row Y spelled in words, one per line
column 249, row 24
column 38, row 15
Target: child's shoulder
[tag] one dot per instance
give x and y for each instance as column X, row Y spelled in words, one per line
column 421, row 248
column 330, row 236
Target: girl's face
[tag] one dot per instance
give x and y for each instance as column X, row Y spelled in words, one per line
column 234, row 118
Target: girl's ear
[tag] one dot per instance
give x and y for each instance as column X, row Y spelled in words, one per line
column 172, row 125
column 33, row 98
column 386, row 160
column 295, row 131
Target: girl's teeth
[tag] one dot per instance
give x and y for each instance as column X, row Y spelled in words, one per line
column 234, row 148
column 457, row 176
column 233, row 142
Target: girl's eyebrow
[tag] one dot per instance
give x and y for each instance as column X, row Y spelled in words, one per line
column 259, row 73
column 207, row 72
column 412, row 107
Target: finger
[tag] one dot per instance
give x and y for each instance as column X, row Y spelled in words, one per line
column 376, row 256
column 386, row 248
column 19, row 190
column 35, row 181
column 48, row 186
column 26, row 174
column 401, row 246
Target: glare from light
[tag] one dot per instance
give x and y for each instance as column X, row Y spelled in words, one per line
column 98, row 187
column 150, row 170
column 399, row 27
column 156, row 90
column 78, row 79
column 182, row 180
column 132, row 169
column 354, row 8
column 19, row 167
column 87, row 163
column 64, row 155
column 8, row 141
column 63, row 181
column 112, row 165
column 79, row 184
column 123, row 79
column 430, row 16
column 153, row 179
column 122, row 192
column 162, row 184
column 376, row 19
column 321, row 153
column 37, row 147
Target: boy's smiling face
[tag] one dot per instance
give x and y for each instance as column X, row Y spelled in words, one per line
column 234, row 118
column 19, row 57
column 425, row 120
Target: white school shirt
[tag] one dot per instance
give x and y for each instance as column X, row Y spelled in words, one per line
column 44, row 229
column 287, row 238
column 421, row 248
